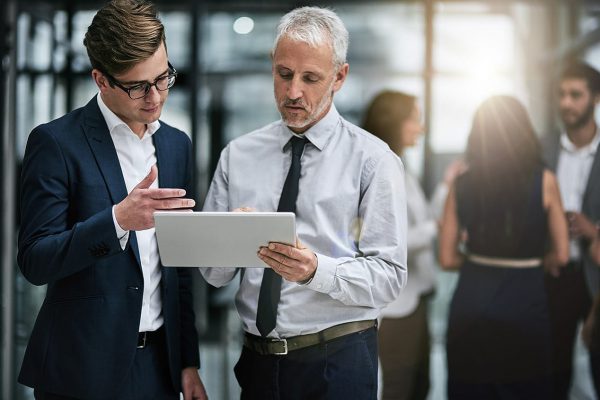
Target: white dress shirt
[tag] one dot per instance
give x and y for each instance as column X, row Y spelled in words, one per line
column 351, row 211
column 422, row 229
column 136, row 157
column 573, row 172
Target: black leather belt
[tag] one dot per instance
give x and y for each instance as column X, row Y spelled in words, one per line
column 145, row 338
column 274, row 346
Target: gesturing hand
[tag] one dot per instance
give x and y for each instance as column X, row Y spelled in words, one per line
column 136, row 211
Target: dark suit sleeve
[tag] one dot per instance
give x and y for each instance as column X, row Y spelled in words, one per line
column 189, row 337
column 52, row 245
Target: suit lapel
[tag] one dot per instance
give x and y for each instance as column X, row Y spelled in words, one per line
column 104, row 151
column 592, row 182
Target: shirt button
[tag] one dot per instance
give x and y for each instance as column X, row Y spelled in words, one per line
column 319, row 286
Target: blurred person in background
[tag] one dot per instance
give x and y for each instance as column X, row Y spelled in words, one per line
column 573, row 153
column 115, row 324
column 503, row 220
column 404, row 341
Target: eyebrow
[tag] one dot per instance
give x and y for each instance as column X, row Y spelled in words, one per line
column 138, row 82
column 280, row 67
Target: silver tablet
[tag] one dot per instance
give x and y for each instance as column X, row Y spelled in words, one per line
column 220, row 239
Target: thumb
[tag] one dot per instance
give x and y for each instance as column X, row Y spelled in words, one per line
column 147, row 181
column 299, row 244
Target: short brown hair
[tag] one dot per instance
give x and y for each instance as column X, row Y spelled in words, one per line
column 122, row 34
column 582, row 70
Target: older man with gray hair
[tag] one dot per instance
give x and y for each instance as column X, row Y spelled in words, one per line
column 310, row 319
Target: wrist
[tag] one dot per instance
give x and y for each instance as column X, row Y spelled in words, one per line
column 119, row 218
column 311, row 275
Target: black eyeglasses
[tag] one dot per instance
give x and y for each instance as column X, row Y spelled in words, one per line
column 140, row 90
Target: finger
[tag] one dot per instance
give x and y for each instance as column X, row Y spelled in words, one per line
column 267, row 260
column 170, row 204
column 277, row 267
column 286, row 250
column 281, row 262
column 165, row 193
column 244, row 209
column 147, row 181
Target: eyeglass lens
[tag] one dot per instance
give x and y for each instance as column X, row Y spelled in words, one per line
column 163, row 83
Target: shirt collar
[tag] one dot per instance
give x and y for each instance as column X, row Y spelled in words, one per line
column 319, row 134
column 567, row 145
column 113, row 121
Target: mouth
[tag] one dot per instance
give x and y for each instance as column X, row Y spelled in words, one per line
column 150, row 109
column 295, row 108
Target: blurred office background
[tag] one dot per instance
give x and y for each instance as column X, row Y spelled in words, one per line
column 451, row 54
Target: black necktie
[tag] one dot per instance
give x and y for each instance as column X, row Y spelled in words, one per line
column 270, row 287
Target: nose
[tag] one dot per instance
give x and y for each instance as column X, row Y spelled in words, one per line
column 564, row 101
column 295, row 89
column 153, row 95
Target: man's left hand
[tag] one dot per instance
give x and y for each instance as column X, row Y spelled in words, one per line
column 294, row 264
column 191, row 385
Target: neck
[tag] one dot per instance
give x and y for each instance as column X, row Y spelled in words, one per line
column 583, row 135
column 138, row 129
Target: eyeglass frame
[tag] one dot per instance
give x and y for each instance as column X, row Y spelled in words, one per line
column 172, row 72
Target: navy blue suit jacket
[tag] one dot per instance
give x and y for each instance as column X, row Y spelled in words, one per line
column 84, row 339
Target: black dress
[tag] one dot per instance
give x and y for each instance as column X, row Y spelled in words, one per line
column 498, row 338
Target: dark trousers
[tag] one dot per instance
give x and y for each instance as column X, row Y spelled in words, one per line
column 404, row 354
column 148, row 378
column 343, row 368
column 569, row 303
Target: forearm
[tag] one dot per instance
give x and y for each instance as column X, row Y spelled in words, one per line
column 362, row 281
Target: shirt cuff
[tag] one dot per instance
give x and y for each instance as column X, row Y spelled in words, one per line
column 324, row 276
column 122, row 234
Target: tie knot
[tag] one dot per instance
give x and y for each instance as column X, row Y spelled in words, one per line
column 298, row 145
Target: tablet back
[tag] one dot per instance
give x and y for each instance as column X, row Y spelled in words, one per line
column 219, row 239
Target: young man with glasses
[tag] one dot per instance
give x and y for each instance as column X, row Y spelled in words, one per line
column 115, row 324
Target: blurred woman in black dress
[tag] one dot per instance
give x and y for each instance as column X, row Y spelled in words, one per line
column 503, row 223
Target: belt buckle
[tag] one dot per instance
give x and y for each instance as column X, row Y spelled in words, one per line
column 285, row 347
column 142, row 343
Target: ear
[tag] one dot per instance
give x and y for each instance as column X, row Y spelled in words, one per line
column 597, row 99
column 340, row 77
column 100, row 80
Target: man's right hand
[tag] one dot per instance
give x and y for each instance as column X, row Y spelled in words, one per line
column 136, row 211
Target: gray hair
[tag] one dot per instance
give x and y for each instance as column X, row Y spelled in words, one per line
column 315, row 26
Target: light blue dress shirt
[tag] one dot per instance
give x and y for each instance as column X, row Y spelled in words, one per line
column 351, row 211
